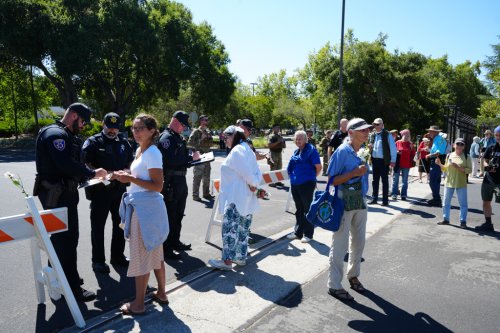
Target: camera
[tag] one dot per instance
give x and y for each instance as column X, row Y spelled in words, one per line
column 419, row 137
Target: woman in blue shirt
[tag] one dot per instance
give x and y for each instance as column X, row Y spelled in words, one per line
column 303, row 168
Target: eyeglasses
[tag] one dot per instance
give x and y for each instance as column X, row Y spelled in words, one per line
column 376, row 124
column 138, row 128
column 84, row 123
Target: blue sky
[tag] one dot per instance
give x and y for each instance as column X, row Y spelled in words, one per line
column 264, row 36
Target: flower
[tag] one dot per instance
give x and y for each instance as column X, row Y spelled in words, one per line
column 364, row 154
column 16, row 181
column 262, row 194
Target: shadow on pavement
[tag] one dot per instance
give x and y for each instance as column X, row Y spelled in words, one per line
column 392, row 319
column 252, row 278
column 16, row 155
column 185, row 266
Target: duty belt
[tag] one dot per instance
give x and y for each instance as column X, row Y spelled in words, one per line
column 174, row 173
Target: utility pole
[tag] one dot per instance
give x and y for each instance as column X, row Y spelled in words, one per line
column 341, row 63
column 253, row 87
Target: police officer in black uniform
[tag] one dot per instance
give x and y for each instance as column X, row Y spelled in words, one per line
column 59, row 172
column 110, row 151
column 176, row 160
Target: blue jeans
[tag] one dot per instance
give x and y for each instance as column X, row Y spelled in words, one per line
column 462, row 202
column 435, row 179
column 395, row 182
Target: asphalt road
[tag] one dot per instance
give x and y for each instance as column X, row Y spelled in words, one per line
column 18, row 304
column 421, row 277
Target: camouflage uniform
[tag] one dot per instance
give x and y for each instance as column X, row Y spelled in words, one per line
column 276, row 154
column 324, row 152
column 201, row 140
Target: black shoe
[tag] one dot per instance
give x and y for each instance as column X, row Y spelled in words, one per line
column 182, row 247
column 272, row 185
column 385, row 203
column 170, row 254
column 372, row 202
column 444, row 222
column 208, row 197
column 196, row 198
column 100, row 267
column 279, row 184
column 463, row 225
column 83, row 295
column 120, row 261
column 486, row 226
column 434, row 202
column 403, row 198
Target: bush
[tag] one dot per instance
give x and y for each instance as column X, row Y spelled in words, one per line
column 6, row 131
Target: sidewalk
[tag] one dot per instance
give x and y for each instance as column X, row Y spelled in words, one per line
column 226, row 301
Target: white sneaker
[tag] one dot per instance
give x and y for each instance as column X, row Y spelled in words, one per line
column 220, row 264
column 240, row 262
column 292, row 236
column 305, row 239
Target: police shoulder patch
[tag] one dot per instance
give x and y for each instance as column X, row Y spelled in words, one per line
column 59, row 144
column 86, row 144
column 165, row 143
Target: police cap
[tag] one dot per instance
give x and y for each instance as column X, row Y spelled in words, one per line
column 82, row 110
column 112, row 120
column 183, row 117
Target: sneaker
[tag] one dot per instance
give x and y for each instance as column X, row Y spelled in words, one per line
column 220, row 264
column 305, row 239
column 196, row 198
column 394, row 197
column 486, row 226
column 83, row 295
column 463, row 225
column 444, row 222
column 239, row 262
column 100, row 267
column 292, row 236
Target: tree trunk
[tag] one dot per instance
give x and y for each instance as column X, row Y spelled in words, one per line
column 14, row 105
column 33, row 99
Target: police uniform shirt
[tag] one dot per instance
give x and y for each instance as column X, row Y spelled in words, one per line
column 109, row 154
column 58, row 154
column 174, row 151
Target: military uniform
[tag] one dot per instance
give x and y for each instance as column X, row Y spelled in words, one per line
column 111, row 154
column 176, row 160
column 59, row 171
column 201, row 140
column 276, row 154
column 324, row 152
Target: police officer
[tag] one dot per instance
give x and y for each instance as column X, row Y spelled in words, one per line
column 176, row 160
column 59, row 171
column 201, row 140
column 112, row 152
column 276, row 143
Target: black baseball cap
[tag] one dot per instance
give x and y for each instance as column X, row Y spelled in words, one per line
column 183, row 117
column 82, row 110
column 247, row 123
column 112, row 120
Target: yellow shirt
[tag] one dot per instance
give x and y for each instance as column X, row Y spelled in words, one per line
column 455, row 178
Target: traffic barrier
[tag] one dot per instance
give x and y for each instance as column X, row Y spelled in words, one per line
column 36, row 226
column 267, row 178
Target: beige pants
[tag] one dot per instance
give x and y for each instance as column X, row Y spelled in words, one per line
column 353, row 224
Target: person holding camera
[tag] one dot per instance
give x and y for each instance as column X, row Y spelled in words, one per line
column 491, row 181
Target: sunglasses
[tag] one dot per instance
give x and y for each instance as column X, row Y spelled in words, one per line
column 460, row 144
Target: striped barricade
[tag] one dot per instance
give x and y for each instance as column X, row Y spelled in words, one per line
column 37, row 226
column 267, row 178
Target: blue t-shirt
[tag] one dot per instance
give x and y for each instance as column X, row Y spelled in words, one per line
column 439, row 144
column 344, row 160
column 302, row 165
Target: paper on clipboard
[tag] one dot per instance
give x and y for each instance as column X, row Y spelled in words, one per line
column 94, row 181
column 204, row 158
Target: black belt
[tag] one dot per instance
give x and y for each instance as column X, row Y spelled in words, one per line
column 174, row 173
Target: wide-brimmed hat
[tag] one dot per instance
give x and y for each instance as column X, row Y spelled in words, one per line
column 434, row 128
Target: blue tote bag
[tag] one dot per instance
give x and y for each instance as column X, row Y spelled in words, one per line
column 326, row 210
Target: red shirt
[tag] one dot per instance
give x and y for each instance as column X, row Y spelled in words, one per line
column 422, row 150
column 406, row 152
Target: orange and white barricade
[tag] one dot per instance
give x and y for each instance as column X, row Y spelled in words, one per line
column 37, row 226
column 267, row 178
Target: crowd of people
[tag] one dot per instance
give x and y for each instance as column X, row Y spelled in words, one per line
column 148, row 190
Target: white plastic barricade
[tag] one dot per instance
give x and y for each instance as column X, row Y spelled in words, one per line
column 267, row 178
column 37, row 226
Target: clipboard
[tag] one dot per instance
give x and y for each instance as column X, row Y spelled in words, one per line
column 204, row 158
column 94, row 181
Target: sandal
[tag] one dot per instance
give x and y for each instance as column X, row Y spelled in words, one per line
column 126, row 310
column 341, row 295
column 356, row 285
column 159, row 300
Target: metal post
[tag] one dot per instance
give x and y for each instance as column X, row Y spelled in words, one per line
column 341, row 63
